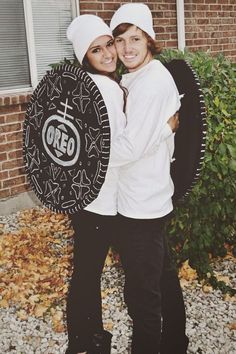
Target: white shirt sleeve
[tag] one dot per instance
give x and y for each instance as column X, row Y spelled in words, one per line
column 147, row 126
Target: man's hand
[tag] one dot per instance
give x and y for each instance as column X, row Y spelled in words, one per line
column 173, row 121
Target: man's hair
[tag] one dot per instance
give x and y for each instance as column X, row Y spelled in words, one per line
column 153, row 46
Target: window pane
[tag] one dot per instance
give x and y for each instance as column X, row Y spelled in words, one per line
column 14, row 65
column 51, row 19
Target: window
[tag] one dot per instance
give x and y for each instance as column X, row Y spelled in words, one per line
column 32, row 36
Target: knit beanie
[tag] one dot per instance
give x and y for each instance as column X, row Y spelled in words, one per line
column 137, row 14
column 83, row 30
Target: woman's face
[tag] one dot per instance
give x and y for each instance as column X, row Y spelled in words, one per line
column 102, row 54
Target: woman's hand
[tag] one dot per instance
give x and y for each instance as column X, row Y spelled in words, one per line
column 173, row 121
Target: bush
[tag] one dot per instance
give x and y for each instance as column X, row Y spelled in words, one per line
column 206, row 221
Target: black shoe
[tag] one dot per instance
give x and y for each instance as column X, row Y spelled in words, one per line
column 176, row 346
column 101, row 343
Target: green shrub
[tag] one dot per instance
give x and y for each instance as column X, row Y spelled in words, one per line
column 206, row 220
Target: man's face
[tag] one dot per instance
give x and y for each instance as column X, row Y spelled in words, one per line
column 132, row 49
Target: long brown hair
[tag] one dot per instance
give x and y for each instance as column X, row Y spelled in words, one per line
column 86, row 66
column 153, row 45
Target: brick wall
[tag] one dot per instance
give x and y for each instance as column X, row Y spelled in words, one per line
column 12, row 174
column 210, row 24
column 164, row 15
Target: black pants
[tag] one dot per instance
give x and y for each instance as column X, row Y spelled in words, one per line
column 141, row 247
column 173, row 337
column 84, row 311
column 152, row 288
column 139, row 242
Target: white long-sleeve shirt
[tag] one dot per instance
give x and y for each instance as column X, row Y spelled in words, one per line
column 145, row 185
column 106, row 202
column 139, row 139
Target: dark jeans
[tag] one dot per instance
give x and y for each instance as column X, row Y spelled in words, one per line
column 141, row 247
column 173, row 338
column 84, row 312
column 152, row 287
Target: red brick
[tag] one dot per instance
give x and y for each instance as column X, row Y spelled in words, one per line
column 111, row 6
column 160, row 30
column 190, row 7
column 161, row 22
column 191, row 35
column 10, row 128
column 173, row 36
column 202, row 21
column 202, row 7
column 14, row 181
column 7, row 101
column 15, row 154
column 215, row 7
column 217, row 48
column 4, row 193
column 20, row 189
column 23, row 107
column 12, row 118
column 90, row 6
column 171, row 44
column 15, row 145
column 15, row 136
column 3, row 175
column 227, row 7
column 211, row 14
column 171, row 29
column 24, row 98
column 17, row 172
column 15, row 99
column 9, row 109
column 9, row 165
column 3, row 156
column 3, row 138
column 2, row 119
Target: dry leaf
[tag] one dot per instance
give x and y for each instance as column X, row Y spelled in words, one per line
column 232, row 326
column 187, row 273
column 39, row 310
column 230, row 298
column 108, row 326
column 223, row 278
column 4, row 303
column 207, row 288
column 35, row 264
column 22, row 315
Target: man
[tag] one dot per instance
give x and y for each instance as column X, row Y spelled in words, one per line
column 146, row 188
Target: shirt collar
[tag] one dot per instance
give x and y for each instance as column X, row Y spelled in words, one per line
column 130, row 76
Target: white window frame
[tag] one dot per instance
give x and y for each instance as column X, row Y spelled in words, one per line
column 31, row 46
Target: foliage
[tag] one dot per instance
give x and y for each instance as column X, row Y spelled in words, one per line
column 73, row 61
column 206, row 221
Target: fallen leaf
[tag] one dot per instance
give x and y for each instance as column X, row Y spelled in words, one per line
column 186, row 272
column 232, row 326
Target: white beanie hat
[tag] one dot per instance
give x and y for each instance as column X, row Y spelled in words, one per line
column 83, row 30
column 137, row 14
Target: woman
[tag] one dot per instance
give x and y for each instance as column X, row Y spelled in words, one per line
column 94, row 47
